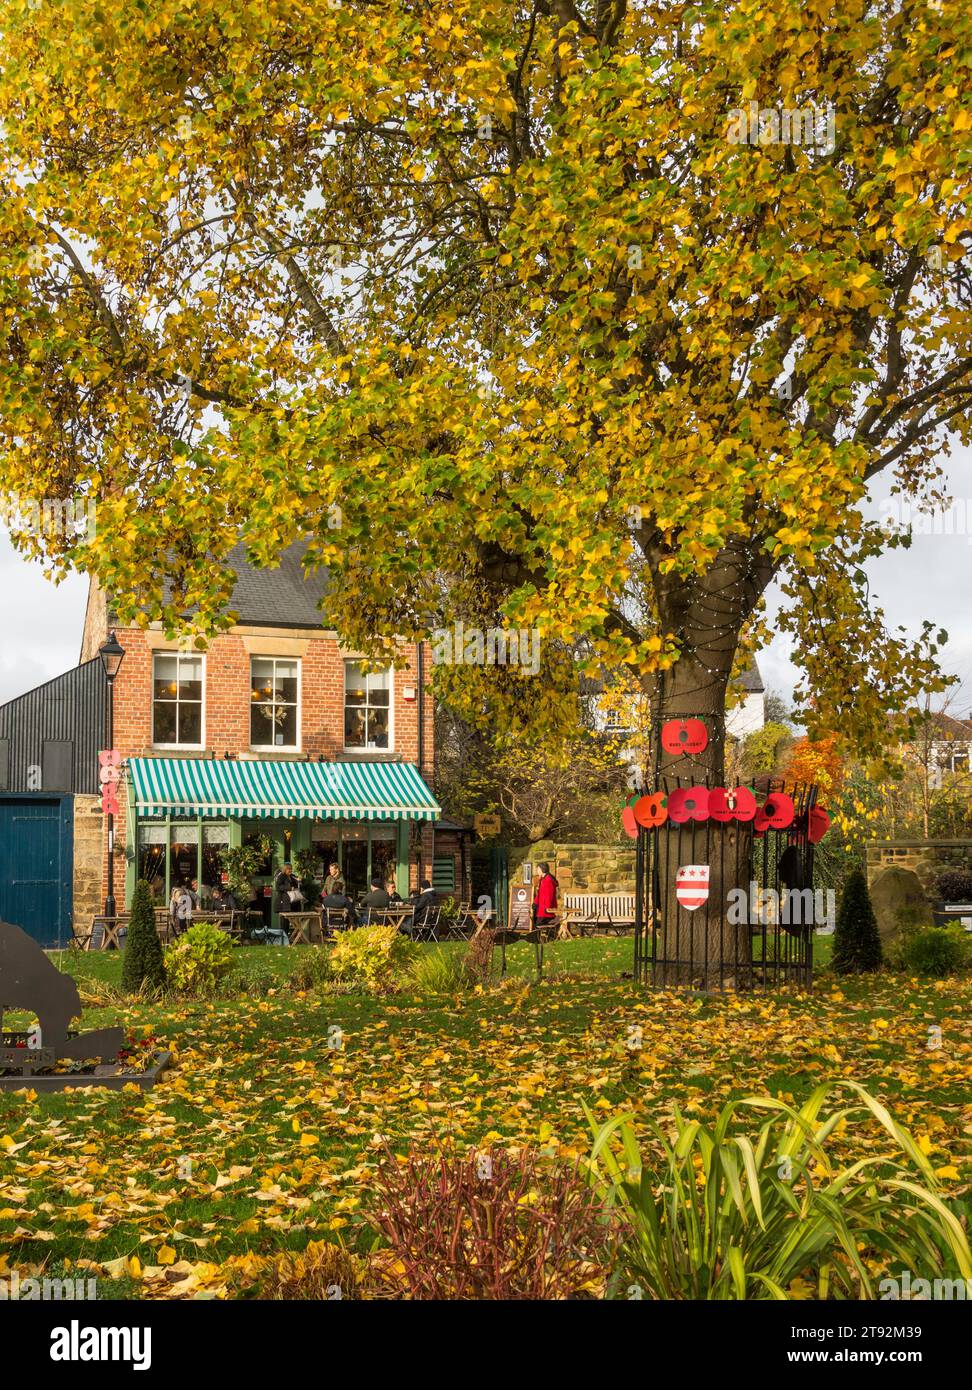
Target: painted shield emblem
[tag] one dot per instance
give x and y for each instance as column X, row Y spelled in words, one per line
column 692, row 885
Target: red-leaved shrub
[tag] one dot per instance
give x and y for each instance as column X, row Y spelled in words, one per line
column 485, row 1226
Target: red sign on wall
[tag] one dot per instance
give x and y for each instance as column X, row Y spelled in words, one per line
column 110, row 775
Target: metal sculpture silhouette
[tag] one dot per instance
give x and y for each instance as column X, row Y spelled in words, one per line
column 30, row 980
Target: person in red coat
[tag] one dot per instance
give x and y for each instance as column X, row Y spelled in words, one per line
column 545, row 897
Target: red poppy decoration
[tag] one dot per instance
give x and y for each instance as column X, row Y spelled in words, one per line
column 684, row 736
column 688, row 803
column 651, row 810
column 778, row 811
column 629, row 822
column 724, row 805
column 818, row 825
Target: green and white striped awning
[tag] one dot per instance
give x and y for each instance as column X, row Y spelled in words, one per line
column 294, row 790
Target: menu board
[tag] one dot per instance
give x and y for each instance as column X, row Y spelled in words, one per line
column 520, row 903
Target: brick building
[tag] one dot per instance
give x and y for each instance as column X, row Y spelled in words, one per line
column 274, row 731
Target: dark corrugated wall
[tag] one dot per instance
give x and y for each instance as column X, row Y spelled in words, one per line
column 58, row 727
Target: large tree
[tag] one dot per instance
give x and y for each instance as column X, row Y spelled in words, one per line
column 560, row 315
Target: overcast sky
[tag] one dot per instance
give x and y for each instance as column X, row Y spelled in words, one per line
column 933, row 580
column 41, row 631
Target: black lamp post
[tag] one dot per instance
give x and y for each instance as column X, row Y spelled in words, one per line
column 112, row 654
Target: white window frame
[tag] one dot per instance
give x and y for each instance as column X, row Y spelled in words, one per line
column 958, row 754
column 277, row 747
column 194, row 656
column 351, row 750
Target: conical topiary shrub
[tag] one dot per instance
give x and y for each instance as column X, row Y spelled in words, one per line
column 857, row 945
column 143, row 963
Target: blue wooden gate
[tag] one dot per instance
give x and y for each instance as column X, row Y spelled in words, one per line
column 37, row 865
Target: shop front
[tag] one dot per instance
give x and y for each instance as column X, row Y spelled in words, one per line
column 183, row 813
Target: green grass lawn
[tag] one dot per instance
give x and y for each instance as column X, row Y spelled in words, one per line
column 265, row 1132
column 603, row 955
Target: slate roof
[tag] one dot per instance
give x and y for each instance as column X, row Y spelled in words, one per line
column 751, row 681
column 950, row 728
column 282, row 597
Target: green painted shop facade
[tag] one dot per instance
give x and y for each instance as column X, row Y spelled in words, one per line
column 182, row 813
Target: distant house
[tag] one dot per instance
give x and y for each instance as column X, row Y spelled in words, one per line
column 628, row 717
column 750, row 714
column 942, row 743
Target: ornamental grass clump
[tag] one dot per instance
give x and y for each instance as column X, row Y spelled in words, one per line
column 323, row 1271
column 312, row 969
column 439, row 972
column 479, row 957
column 485, row 1226
column 715, row 1213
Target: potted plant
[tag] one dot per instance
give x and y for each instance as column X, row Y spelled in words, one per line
column 307, row 867
column 240, row 865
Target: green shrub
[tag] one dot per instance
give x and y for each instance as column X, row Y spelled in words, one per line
column 372, row 958
column 857, row 945
column 726, row 1216
column 932, row 951
column 441, row 972
column 313, row 968
column 143, row 965
column 256, row 984
column 200, row 960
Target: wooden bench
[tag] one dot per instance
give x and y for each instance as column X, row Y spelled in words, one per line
column 594, row 912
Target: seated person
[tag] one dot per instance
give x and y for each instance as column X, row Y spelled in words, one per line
column 424, row 901
column 377, row 897
column 225, row 900
column 341, row 902
column 393, row 894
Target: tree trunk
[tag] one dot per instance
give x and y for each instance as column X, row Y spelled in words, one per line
column 701, row 948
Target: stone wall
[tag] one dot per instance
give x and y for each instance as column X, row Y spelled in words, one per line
column 581, row 868
column 87, row 860
column 926, row 858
